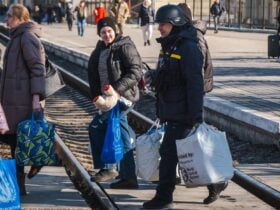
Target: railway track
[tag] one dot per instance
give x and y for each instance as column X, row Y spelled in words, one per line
column 72, row 111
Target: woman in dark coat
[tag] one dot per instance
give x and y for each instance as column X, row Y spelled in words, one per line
column 115, row 61
column 146, row 17
column 22, row 81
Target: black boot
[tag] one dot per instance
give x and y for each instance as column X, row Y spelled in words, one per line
column 125, row 184
column 21, row 183
column 157, row 203
column 214, row 192
column 34, row 170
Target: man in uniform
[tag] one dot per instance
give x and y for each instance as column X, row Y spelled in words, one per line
column 179, row 86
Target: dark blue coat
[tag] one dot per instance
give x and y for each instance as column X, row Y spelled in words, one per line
column 179, row 79
column 146, row 15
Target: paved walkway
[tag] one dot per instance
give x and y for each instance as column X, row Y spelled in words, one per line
column 52, row 189
column 243, row 73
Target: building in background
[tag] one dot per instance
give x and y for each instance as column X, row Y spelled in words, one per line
column 239, row 13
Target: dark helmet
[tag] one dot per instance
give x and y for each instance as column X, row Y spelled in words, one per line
column 170, row 14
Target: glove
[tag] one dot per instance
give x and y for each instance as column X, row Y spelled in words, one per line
column 107, row 101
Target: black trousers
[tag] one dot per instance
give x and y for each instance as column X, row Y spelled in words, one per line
column 169, row 160
column 11, row 140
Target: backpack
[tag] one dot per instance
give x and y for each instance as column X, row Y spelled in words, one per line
column 53, row 78
column 207, row 68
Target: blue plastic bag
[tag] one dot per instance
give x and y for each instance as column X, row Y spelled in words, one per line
column 35, row 142
column 112, row 151
column 9, row 192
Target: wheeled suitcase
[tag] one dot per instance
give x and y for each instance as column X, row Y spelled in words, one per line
column 273, row 46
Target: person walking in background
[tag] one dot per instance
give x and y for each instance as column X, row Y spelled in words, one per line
column 50, row 13
column 22, row 85
column 119, row 12
column 37, row 14
column 59, row 12
column 81, row 17
column 114, row 61
column 146, row 18
column 179, row 95
column 99, row 13
column 216, row 11
column 69, row 16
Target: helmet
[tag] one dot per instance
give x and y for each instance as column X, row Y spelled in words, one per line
column 170, row 14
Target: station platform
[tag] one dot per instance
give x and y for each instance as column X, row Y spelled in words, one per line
column 234, row 197
column 52, row 189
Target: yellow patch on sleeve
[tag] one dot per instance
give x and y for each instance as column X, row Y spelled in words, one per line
column 176, row 56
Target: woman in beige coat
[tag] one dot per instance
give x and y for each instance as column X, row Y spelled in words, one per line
column 22, row 81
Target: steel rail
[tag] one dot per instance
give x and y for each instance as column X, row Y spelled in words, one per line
column 93, row 193
column 257, row 188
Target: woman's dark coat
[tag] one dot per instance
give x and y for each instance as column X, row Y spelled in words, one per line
column 124, row 68
column 23, row 73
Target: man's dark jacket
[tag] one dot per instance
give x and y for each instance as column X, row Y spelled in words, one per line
column 179, row 79
column 123, row 65
column 216, row 9
column 146, row 15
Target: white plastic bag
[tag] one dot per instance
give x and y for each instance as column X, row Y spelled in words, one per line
column 204, row 157
column 147, row 154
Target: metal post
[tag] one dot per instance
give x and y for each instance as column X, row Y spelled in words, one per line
column 201, row 9
column 228, row 13
column 251, row 13
column 239, row 14
column 263, row 15
column 209, row 12
column 193, row 8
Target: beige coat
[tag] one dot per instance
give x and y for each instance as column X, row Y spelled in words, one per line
column 23, row 73
column 120, row 12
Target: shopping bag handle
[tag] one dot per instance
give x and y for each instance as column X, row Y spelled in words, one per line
column 39, row 119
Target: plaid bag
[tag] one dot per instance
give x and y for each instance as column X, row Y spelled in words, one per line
column 35, row 142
